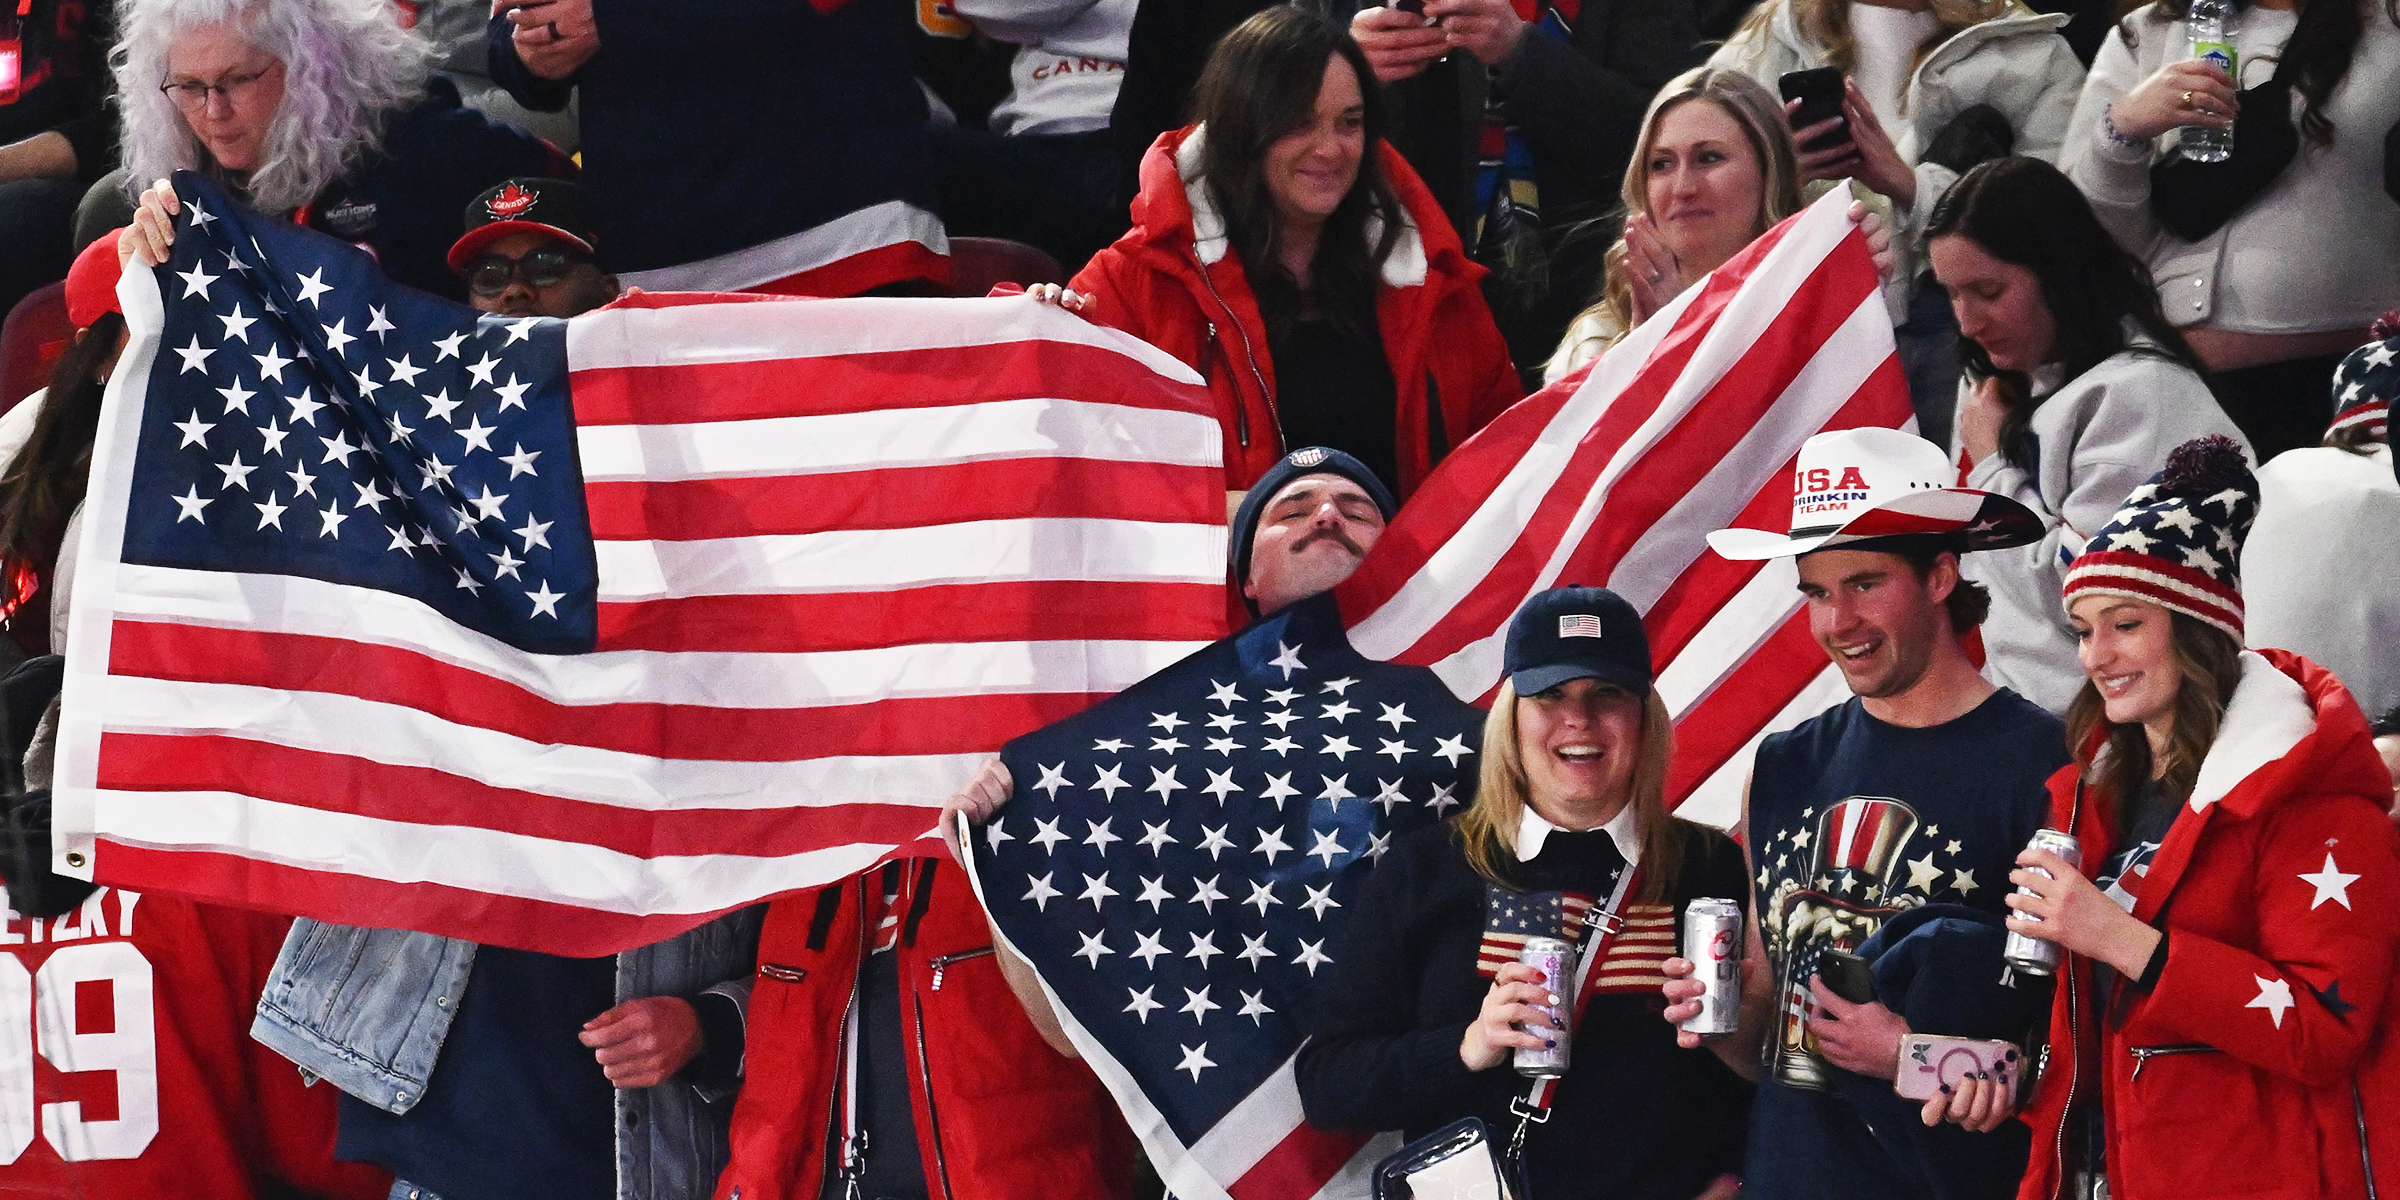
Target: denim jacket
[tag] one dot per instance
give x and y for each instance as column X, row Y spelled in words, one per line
column 368, row 1009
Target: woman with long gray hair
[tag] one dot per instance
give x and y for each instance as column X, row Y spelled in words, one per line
column 325, row 110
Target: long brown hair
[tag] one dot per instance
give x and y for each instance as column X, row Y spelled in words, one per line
column 45, row 482
column 1754, row 109
column 1261, row 82
column 2115, row 759
column 1487, row 831
column 2027, row 213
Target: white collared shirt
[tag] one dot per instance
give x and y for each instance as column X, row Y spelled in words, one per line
column 1624, row 829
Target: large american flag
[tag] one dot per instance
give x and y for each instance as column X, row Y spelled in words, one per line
column 1177, row 860
column 1690, row 424
column 566, row 635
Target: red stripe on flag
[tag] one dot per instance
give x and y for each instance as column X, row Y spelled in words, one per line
column 939, row 377
column 975, row 612
column 1711, row 581
column 325, row 895
column 1715, row 729
column 904, row 498
column 426, row 796
column 1693, row 448
column 306, row 663
column 1472, row 472
column 1299, row 1166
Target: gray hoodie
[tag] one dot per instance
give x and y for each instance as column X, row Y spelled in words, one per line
column 2095, row 439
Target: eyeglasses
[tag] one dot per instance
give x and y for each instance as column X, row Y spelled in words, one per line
column 488, row 276
column 192, row 96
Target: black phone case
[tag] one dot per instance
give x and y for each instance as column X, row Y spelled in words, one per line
column 1847, row 975
column 1819, row 92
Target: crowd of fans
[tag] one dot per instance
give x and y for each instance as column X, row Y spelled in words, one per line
column 1371, row 230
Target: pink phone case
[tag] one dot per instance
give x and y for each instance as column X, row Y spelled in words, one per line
column 1929, row 1062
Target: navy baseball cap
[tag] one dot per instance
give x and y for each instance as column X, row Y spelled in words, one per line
column 1578, row 633
column 1308, row 460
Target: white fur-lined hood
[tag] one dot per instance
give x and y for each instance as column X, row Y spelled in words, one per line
column 1406, row 266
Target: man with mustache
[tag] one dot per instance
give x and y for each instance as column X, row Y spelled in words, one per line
column 1919, row 791
column 842, row 968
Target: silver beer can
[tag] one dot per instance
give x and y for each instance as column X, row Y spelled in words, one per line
column 2033, row 955
column 1712, row 942
column 1555, row 960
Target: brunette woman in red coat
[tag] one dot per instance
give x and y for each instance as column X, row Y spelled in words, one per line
column 1288, row 255
column 2221, row 1022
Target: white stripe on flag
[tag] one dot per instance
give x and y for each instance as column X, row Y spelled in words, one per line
column 1721, row 646
column 892, row 438
column 1718, row 799
column 503, row 864
column 396, row 735
column 1830, row 380
column 291, row 604
column 875, row 560
column 754, row 331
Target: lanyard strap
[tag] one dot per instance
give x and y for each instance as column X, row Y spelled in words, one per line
column 1599, row 931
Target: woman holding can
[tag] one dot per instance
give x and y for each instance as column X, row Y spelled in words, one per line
column 1420, row 1023
column 2218, row 1025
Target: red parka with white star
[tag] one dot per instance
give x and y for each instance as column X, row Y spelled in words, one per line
column 2263, row 1062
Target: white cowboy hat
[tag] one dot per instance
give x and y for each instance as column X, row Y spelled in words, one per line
column 1855, row 484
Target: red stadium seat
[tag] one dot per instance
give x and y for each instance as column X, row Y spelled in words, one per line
column 36, row 333
column 978, row 263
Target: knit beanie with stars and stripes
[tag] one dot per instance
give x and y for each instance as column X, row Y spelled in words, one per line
column 2363, row 389
column 2177, row 542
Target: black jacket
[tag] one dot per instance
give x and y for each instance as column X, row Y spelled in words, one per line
column 1635, row 1117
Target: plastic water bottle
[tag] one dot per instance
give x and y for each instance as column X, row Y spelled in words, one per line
column 2212, row 27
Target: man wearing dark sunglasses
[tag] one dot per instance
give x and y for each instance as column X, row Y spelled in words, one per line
column 528, row 252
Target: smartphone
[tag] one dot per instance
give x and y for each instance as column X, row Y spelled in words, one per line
column 1846, row 975
column 1410, row 6
column 1930, row 1062
column 1819, row 92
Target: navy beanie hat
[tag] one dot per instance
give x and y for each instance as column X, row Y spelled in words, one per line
column 1308, row 460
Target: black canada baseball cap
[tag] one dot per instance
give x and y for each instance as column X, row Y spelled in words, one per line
column 528, row 204
column 1578, row 633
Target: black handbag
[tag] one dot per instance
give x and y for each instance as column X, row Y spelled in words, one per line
column 2195, row 199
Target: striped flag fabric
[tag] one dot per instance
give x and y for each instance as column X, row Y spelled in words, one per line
column 1688, row 425
column 567, row 635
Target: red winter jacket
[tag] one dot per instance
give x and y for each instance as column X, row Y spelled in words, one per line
column 999, row 1114
column 1189, row 297
column 2265, row 1055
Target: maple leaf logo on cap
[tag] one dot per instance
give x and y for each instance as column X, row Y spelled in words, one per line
column 511, row 202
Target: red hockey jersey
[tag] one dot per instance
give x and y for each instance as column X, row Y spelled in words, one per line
column 127, row 1071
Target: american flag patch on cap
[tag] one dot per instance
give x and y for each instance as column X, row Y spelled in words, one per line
column 1579, row 625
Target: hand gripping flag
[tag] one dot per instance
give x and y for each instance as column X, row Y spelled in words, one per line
column 567, row 635
column 1201, row 836
column 1690, row 424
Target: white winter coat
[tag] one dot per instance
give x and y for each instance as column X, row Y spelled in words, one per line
column 2325, row 225
column 2015, row 62
column 2321, row 571
column 2095, row 439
